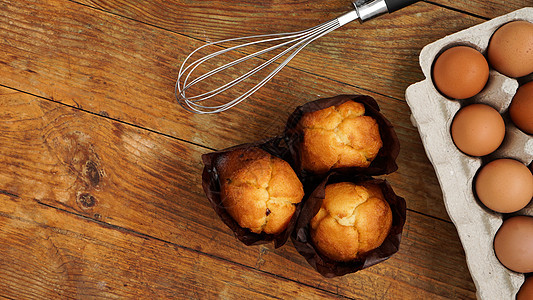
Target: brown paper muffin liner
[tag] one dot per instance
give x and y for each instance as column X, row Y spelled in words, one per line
column 301, row 236
column 211, row 186
column 385, row 161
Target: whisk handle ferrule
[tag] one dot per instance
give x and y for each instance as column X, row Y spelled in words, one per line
column 368, row 9
column 348, row 17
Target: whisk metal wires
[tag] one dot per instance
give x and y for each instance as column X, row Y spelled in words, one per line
column 294, row 42
column 289, row 45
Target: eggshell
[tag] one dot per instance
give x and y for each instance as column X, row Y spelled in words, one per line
column 521, row 109
column 510, row 49
column 504, row 185
column 460, row 72
column 526, row 291
column 478, row 129
column 513, row 244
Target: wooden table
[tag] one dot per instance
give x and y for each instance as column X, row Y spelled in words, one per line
column 100, row 168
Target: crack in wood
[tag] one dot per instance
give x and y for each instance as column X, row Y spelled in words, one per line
column 9, row 194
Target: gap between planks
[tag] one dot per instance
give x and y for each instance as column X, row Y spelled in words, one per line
column 457, row 10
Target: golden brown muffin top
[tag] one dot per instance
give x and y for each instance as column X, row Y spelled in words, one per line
column 339, row 136
column 258, row 189
column 352, row 220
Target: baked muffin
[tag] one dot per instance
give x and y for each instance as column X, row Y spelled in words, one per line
column 338, row 137
column 352, row 220
column 258, row 190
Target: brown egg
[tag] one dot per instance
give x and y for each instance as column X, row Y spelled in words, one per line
column 526, row 291
column 521, row 108
column 513, row 244
column 504, row 185
column 460, row 72
column 510, row 49
column 478, row 129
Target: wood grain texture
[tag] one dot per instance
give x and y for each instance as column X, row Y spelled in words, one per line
column 91, row 60
column 369, row 56
column 147, row 183
column 169, row 13
column 50, row 254
column 100, row 193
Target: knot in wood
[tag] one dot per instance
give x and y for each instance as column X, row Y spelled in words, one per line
column 86, row 200
column 93, row 174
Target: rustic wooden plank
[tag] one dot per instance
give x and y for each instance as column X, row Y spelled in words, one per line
column 91, row 60
column 380, row 55
column 185, row 13
column 148, row 183
column 51, row 254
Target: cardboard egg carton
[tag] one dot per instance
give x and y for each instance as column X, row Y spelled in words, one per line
column 433, row 113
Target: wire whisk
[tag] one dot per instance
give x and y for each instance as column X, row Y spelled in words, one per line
column 289, row 43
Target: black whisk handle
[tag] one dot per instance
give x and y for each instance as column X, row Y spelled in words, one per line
column 394, row 5
column 368, row 9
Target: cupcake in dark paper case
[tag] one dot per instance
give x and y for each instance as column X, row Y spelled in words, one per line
column 349, row 223
column 346, row 133
column 255, row 192
column 353, row 220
